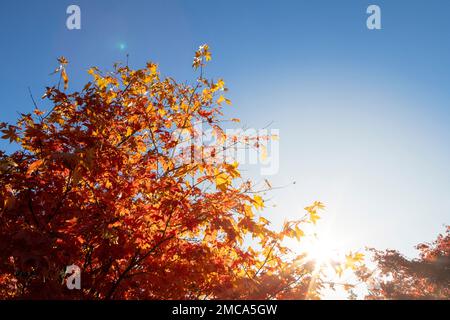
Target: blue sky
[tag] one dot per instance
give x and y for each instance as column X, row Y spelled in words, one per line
column 363, row 115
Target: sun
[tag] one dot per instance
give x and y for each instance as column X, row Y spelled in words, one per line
column 319, row 250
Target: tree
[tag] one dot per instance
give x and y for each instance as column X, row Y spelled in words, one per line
column 101, row 181
column 427, row 277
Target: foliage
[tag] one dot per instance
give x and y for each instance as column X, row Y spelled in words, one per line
column 97, row 183
column 427, row 277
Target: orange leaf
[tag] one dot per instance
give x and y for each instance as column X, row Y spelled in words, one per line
column 34, row 166
column 65, row 78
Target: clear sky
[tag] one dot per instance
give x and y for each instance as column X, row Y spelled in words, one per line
column 363, row 115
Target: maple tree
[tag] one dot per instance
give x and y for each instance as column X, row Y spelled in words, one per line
column 97, row 182
column 397, row 277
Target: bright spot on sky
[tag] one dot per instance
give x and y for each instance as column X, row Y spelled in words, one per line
column 319, row 249
column 122, row 46
column 325, row 252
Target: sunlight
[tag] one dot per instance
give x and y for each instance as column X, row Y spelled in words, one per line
column 319, row 249
column 325, row 251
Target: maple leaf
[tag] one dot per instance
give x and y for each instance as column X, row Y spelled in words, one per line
column 65, row 78
column 10, row 133
column 258, row 201
column 220, row 100
column 63, row 60
column 313, row 217
column 298, row 233
column 351, row 260
column 222, row 181
column 34, row 166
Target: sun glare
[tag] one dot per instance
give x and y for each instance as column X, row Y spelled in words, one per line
column 319, row 250
column 325, row 252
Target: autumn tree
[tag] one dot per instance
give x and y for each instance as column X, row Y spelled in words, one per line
column 397, row 277
column 99, row 182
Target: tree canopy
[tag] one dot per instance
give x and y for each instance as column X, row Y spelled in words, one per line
column 98, row 182
column 397, row 277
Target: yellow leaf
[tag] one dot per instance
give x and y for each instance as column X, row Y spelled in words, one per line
column 221, row 99
column 313, row 217
column 220, row 84
column 263, row 152
column 248, row 211
column 264, row 221
column 339, row 270
column 207, row 94
column 129, row 132
column 298, row 233
column 352, row 259
column 152, row 67
column 222, row 181
column 142, row 147
column 319, row 205
column 162, row 112
column 232, row 169
column 358, row 257
column 258, row 202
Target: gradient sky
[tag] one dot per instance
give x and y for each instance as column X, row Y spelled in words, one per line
column 363, row 115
